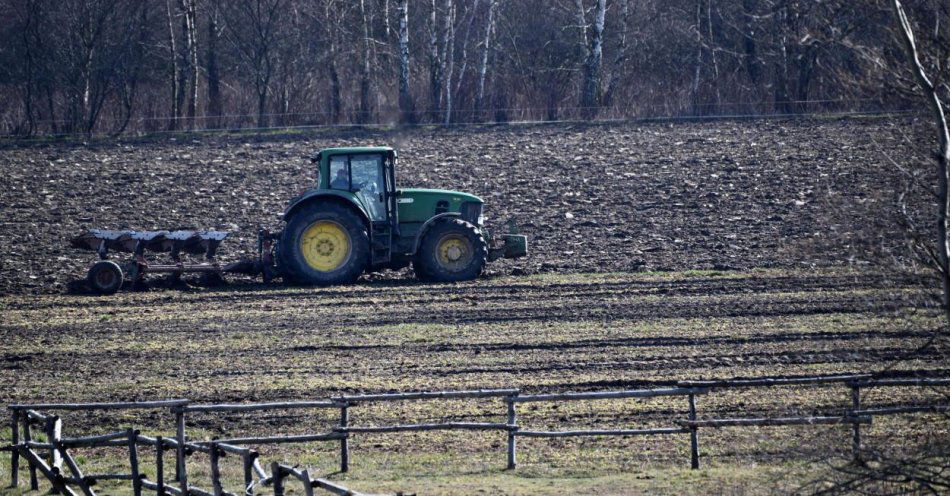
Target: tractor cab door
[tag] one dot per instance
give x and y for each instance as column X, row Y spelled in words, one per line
column 363, row 175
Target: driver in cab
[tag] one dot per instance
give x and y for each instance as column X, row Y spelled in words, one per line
column 341, row 181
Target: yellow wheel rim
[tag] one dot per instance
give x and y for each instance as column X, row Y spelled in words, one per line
column 325, row 245
column 454, row 252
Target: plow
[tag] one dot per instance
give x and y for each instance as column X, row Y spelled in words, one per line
column 353, row 220
column 107, row 276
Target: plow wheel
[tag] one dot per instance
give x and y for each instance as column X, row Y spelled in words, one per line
column 453, row 250
column 105, row 277
column 324, row 244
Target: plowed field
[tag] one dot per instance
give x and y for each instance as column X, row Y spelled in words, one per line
column 692, row 251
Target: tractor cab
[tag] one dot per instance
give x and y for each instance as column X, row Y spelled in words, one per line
column 368, row 173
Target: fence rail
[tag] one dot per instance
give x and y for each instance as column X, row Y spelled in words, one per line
column 56, row 448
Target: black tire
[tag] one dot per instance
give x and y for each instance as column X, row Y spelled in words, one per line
column 291, row 258
column 466, row 238
column 105, row 277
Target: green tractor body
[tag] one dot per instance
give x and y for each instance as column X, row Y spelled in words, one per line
column 356, row 220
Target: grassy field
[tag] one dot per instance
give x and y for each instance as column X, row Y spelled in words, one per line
column 541, row 333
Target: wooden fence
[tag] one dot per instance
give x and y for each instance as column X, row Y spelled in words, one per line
column 56, row 448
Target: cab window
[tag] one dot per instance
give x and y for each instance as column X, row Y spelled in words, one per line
column 339, row 172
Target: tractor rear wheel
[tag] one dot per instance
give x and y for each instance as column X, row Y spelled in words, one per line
column 324, row 244
column 452, row 250
column 105, row 277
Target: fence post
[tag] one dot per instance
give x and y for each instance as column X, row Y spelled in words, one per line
column 693, row 435
column 159, row 466
column 278, row 477
column 134, row 462
column 27, row 437
column 74, row 468
column 181, row 469
column 512, row 444
column 345, row 442
column 855, row 426
column 15, row 454
column 215, row 470
column 54, row 428
column 247, row 459
column 307, row 483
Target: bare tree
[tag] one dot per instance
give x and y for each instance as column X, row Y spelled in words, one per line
column 174, row 74
column 190, row 10
column 365, row 111
column 335, row 101
column 483, row 66
column 406, row 107
column 620, row 60
column 934, row 91
column 448, row 58
column 252, row 28
column 436, row 62
column 212, row 69
column 590, row 98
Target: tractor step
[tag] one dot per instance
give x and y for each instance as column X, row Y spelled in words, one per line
column 381, row 243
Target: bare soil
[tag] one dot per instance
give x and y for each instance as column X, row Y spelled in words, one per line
column 631, row 197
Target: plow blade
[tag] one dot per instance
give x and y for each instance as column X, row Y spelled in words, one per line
column 174, row 242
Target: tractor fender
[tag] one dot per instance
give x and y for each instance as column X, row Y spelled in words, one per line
column 325, row 195
column 427, row 225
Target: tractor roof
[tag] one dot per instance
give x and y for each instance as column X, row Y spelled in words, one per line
column 356, row 149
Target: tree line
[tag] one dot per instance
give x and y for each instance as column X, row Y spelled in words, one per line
column 110, row 66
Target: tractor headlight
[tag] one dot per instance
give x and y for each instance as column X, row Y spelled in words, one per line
column 472, row 212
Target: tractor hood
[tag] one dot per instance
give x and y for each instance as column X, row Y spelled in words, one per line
column 418, row 204
column 438, row 193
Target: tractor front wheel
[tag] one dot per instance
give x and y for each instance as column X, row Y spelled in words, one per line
column 324, row 244
column 452, row 250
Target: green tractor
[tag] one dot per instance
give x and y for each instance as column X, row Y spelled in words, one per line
column 355, row 220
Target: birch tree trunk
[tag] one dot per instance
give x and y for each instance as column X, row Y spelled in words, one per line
column 335, row 107
column 483, row 66
column 365, row 111
column 463, row 58
column 435, row 65
column 405, row 98
column 712, row 29
column 748, row 43
column 590, row 99
column 173, row 49
column 780, row 66
column 212, row 70
column 191, row 43
column 449, row 58
column 620, row 61
column 932, row 93
column 695, row 101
